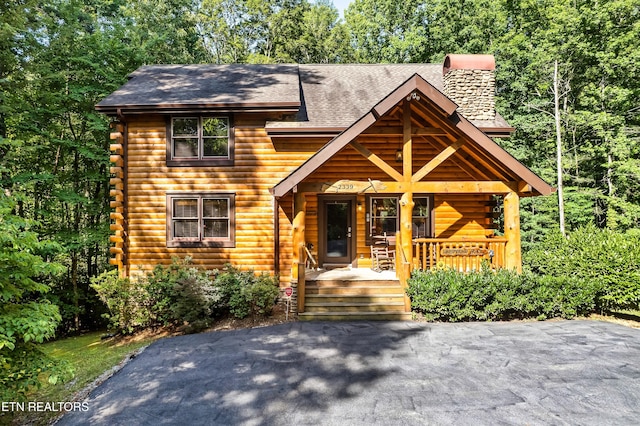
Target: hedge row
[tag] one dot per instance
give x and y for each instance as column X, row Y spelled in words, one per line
column 592, row 270
column 183, row 295
column 448, row 295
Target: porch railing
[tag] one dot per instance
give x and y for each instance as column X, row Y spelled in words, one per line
column 462, row 254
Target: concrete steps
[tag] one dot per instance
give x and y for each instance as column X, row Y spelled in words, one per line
column 344, row 300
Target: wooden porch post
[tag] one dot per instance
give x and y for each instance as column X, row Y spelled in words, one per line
column 513, row 258
column 406, row 203
column 406, row 250
column 298, row 237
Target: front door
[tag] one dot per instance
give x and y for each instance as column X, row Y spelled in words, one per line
column 337, row 230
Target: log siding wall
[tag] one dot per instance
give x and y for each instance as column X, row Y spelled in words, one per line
column 259, row 164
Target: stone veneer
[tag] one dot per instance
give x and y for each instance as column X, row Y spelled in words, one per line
column 473, row 91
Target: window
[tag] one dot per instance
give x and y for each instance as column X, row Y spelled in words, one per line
column 421, row 217
column 384, row 216
column 200, row 219
column 199, row 141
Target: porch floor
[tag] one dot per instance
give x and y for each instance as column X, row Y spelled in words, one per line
column 350, row 274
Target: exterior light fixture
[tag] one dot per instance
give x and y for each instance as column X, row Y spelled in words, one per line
column 399, row 156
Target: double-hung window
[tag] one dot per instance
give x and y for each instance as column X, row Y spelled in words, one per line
column 383, row 216
column 421, row 217
column 196, row 141
column 200, row 219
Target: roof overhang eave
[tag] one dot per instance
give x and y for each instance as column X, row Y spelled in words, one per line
column 303, row 132
column 497, row 132
column 316, row 160
column 279, row 107
column 527, row 176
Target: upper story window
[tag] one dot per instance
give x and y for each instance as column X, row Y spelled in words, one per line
column 200, row 141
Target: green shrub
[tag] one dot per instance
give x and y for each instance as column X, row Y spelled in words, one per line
column 602, row 260
column 449, row 295
column 127, row 302
column 246, row 293
column 562, row 296
column 181, row 293
column 263, row 294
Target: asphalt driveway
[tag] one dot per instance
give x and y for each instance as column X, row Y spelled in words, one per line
column 386, row 373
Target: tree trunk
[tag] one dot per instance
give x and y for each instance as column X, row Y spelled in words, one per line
column 611, row 191
column 556, row 103
column 74, row 252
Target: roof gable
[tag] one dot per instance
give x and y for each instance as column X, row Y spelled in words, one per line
column 416, row 86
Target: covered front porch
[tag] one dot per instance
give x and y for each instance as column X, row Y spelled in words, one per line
column 364, row 292
column 418, row 174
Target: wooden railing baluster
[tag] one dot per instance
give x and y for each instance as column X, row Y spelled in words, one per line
column 463, row 254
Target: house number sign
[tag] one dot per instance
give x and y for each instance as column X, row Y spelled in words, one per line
column 353, row 186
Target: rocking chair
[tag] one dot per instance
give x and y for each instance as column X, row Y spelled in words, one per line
column 382, row 257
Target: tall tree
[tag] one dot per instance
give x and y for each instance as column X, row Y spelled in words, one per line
column 323, row 38
column 26, row 317
column 556, row 116
column 163, row 31
column 388, row 31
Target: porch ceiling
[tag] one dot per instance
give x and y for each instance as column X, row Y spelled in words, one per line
column 435, row 122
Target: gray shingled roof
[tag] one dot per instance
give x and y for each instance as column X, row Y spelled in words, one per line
column 338, row 95
column 324, row 96
column 174, row 86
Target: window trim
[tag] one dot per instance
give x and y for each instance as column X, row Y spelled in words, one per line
column 370, row 218
column 201, row 241
column 370, row 199
column 209, row 161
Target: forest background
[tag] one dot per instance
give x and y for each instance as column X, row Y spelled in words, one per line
column 58, row 58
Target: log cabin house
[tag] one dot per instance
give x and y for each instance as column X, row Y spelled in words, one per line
column 284, row 168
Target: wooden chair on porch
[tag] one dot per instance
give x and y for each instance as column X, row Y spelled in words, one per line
column 381, row 256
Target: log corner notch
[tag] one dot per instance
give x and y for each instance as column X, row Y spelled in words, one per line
column 116, row 193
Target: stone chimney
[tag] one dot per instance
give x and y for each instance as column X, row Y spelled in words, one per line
column 469, row 81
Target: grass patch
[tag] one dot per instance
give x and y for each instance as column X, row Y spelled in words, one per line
column 90, row 356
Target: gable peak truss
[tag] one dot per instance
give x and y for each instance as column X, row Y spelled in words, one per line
column 425, row 111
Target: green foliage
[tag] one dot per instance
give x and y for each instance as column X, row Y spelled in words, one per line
column 594, row 46
column 607, row 260
column 26, row 317
column 246, row 293
column 127, row 301
column 388, row 31
column 180, row 294
column 591, row 270
column 449, row 295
